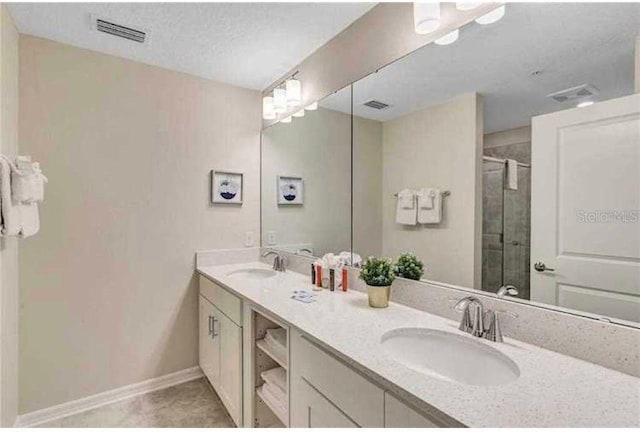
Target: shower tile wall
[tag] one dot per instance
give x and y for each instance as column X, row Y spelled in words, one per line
column 506, row 222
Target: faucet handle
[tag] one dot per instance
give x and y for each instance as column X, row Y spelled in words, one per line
column 494, row 332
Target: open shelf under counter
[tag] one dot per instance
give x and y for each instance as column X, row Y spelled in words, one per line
column 281, row 415
column 268, row 350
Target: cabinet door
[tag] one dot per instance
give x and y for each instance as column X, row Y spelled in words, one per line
column 230, row 391
column 317, row 412
column 209, row 341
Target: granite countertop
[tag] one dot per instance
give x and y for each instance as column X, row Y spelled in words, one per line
column 553, row 390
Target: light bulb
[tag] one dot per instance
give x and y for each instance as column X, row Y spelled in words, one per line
column 312, row 107
column 299, row 113
column 286, row 120
column 294, row 92
column 449, row 38
column 466, row 6
column 268, row 111
column 492, row 16
column 584, row 104
column 280, row 100
column 426, row 17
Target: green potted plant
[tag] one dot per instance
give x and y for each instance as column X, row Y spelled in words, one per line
column 378, row 274
column 408, row 266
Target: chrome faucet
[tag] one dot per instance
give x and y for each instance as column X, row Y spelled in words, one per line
column 278, row 261
column 302, row 250
column 507, row 290
column 478, row 322
column 472, row 322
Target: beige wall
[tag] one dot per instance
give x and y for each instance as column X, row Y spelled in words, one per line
column 109, row 297
column 637, row 67
column 520, row 135
column 8, row 246
column 379, row 37
column 316, row 147
column 439, row 146
column 367, row 187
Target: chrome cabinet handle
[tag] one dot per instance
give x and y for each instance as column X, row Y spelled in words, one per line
column 210, row 327
column 213, row 327
column 541, row 267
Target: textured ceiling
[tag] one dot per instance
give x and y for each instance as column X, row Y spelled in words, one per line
column 572, row 43
column 245, row 44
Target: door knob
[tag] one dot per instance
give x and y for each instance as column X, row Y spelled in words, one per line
column 541, row 267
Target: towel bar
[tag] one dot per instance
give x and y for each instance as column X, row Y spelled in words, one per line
column 443, row 193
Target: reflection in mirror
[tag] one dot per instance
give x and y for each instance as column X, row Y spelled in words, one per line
column 306, row 181
column 547, row 88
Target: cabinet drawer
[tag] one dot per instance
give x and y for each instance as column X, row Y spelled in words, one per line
column 228, row 303
column 399, row 415
column 361, row 400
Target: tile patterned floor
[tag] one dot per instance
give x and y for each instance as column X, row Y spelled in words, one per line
column 191, row 404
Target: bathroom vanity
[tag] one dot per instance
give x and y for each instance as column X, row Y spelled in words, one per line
column 343, row 367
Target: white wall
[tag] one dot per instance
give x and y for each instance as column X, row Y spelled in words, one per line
column 439, row 146
column 109, row 296
column 8, row 246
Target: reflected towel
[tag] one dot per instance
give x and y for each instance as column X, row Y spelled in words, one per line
column 512, row 174
column 406, row 213
column 434, row 214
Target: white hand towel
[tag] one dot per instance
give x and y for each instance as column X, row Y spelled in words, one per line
column 404, row 215
column 30, row 219
column 10, row 211
column 434, row 214
column 407, row 198
column 425, row 198
column 512, row 174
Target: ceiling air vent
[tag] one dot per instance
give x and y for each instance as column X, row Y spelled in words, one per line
column 120, row 30
column 574, row 93
column 376, row 104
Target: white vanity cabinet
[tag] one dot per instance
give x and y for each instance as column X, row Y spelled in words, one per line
column 327, row 392
column 220, row 344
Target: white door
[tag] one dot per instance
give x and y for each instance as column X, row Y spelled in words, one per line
column 230, row 366
column 585, row 198
column 209, row 341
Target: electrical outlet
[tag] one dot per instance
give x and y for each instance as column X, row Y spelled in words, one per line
column 248, row 238
column 271, row 238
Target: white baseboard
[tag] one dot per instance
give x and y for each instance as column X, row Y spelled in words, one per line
column 79, row 405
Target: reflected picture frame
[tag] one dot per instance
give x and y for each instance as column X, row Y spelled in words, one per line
column 226, row 187
column 290, row 190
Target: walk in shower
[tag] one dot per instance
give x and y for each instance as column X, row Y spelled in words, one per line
column 506, row 228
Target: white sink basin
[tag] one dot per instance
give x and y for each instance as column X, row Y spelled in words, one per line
column 253, row 273
column 449, row 356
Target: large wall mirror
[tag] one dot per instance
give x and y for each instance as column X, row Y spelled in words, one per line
column 306, row 180
column 508, row 157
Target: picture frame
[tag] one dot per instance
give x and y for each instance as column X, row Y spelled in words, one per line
column 226, row 187
column 290, row 190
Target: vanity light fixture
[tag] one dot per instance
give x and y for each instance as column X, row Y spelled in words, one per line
column 299, row 113
column 449, row 38
column 426, row 17
column 466, row 6
column 280, row 100
column 268, row 110
column 312, row 106
column 493, row 16
column 584, row 104
column 294, row 92
column 286, row 120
